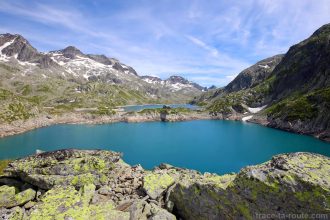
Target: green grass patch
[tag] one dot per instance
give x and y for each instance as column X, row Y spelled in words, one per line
column 43, row 88
column 294, row 109
column 104, row 110
column 168, row 111
column 3, row 165
column 5, row 94
column 26, row 90
column 15, row 111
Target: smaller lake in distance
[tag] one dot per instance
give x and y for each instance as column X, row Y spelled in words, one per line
column 136, row 108
column 207, row 145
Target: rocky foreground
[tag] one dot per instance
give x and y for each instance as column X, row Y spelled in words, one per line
column 97, row 184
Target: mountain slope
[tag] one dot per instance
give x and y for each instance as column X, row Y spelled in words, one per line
column 248, row 79
column 300, row 92
column 67, row 80
column 254, row 75
column 72, row 63
column 305, row 67
column 294, row 94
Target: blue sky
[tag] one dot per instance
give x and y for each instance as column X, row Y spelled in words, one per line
column 207, row 41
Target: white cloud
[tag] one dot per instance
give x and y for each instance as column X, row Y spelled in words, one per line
column 44, row 14
column 210, row 42
column 213, row 51
column 231, row 77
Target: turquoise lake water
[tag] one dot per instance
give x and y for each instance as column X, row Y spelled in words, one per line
column 137, row 108
column 208, row 145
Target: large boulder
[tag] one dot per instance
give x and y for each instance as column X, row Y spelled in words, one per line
column 141, row 210
column 155, row 184
column 296, row 183
column 158, row 213
column 65, row 167
column 68, row 203
column 204, row 197
column 9, row 198
column 289, row 183
column 15, row 213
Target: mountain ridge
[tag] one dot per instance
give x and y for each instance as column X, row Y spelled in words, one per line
column 293, row 94
column 34, row 83
column 17, row 46
column 254, row 74
column 107, row 78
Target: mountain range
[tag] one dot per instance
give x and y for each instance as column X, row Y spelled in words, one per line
column 72, row 63
column 68, row 79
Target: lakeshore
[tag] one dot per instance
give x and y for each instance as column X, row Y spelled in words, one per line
column 44, row 120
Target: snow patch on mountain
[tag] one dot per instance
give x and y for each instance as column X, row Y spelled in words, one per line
column 4, row 57
column 255, row 110
column 264, row 66
column 6, row 44
column 178, row 86
column 247, row 118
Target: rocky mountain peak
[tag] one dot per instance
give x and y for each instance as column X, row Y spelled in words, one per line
column 177, row 79
column 325, row 29
column 254, row 74
column 101, row 59
column 71, row 52
column 8, row 37
column 17, row 46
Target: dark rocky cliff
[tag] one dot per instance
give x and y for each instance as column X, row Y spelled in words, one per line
column 300, row 92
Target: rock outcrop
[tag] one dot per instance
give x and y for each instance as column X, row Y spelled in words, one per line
column 52, row 185
column 289, row 183
column 65, row 167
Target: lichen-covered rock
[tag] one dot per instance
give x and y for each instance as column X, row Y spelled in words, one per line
column 68, row 203
column 158, row 213
column 29, row 204
column 5, row 193
column 203, row 196
column 15, row 213
column 155, row 184
column 75, row 184
column 289, row 183
column 9, row 198
column 141, row 210
column 65, row 167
